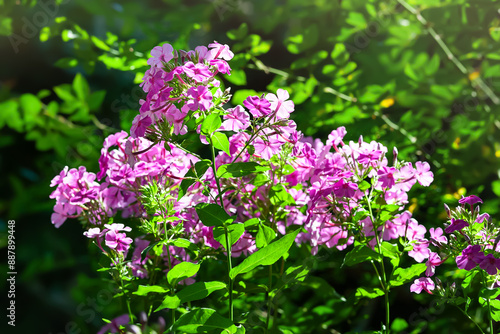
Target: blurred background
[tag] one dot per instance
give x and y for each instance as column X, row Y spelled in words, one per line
column 420, row 75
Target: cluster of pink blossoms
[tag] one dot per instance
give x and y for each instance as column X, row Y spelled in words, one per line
column 473, row 243
column 303, row 182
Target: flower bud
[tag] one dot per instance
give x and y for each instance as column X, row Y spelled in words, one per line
column 161, row 324
column 143, row 318
column 448, row 211
column 133, row 329
column 395, row 155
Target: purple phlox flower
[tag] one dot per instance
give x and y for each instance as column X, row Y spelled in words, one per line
column 198, row 72
column 386, row 177
column 423, row 173
column 199, row 98
column 490, row 264
column 420, row 251
column 415, row 231
column 437, row 235
column 219, row 51
column 280, row 103
column 93, row 233
column 139, row 125
column 153, row 80
column 433, row 261
column 482, row 217
column 176, row 117
column 344, row 189
column 237, row 119
column 161, row 54
column 471, row 200
column 335, row 137
column 367, row 157
column 422, row 283
column 456, row 225
column 118, row 241
column 114, row 325
column 58, row 179
column 470, row 258
column 258, row 107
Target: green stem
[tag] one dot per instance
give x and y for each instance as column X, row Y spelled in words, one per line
column 385, row 286
column 228, row 250
column 488, row 302
column 482, row 85
column 268, row 318
column 469, row 317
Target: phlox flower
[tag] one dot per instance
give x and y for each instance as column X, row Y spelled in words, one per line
column 140, row 125
column 344, row 189
column 258, row 107
column 114, row 325
column 422, row 283
column 198, row 72
column 456, row 225
column 266, row 148
column 219, row 51
column 420, row 251
column 470, row 258
column 236, row 120
column 482, row 217
column 161, row 54
column 386, row 177
column 490, row 264
column 433, row 261
column 199, row 98
column 280, row 103
column 93, row 233
column 437, row 235
column 471, row 200
column 423, row 173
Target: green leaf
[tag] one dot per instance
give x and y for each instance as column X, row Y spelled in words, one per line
column 5, row 25
column 199, row 170
column 81, row 87
column 182, row 271
column 368, row 293
column 265, row 256
column 264, row 236
column 171, row 302
column 31, row 106
column 399, row 325
column 212, row 214
column 239, row 169
column 143, row 290
column 95, row 99
column 100, row 44
column 10, row 115
column 199, row 290
column 201, row 321
column 239, row 33
column 391, row 251
column 238, row 77
column 279, row 196
column 220, row 141
column 210, row 124
column 64, row 92
column 404, row 275
column 235, row 231
column 339, row 54
column 360, row 253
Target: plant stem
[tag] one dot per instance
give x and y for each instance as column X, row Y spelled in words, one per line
column 228, row 250
column 384, row 285
column 488, row 302
column 481, row 84
column 469, row 317
column 268, row 318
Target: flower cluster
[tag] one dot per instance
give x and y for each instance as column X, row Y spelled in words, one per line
column 472, row 242
column 327, row 189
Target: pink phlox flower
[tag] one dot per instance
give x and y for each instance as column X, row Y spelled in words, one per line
column 414, row 230
column 58, row 179
column 118, row 241
column 422, row 283
column 140, row 125
column 456, row 225
column 222, row 66
column 369, row 157
column 397, row 196
column 153, row 80
column 93, row 233
column 198, row 72
column 471, row 200
column 176, row 117
column 336, row 136
column 420, row 250
column 437, row 235
column 423, row 173
column 199, row 98
column 406, row 177
column 267, row 147
column 114, row 325
column 344, row 189
column 280, row 103
column 237, row 119
column 219, row 51
column 470, row 258
column 257, row 107
column 433, row 261
column 386, row 177
column 490, row 264
column 161, row 54
column 482, row 217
